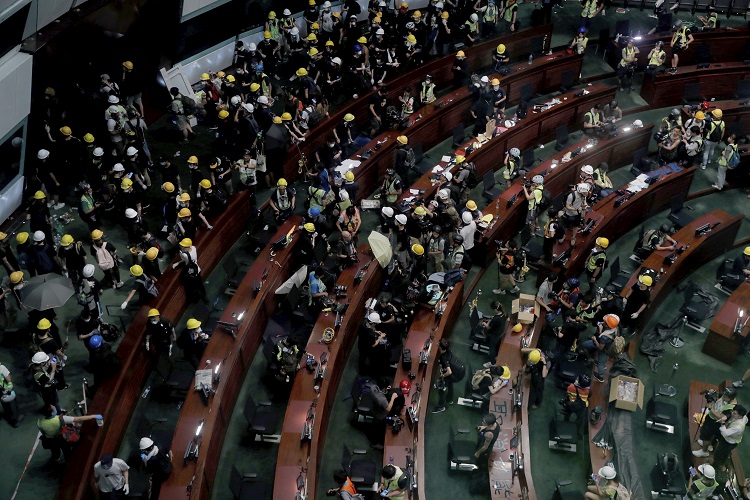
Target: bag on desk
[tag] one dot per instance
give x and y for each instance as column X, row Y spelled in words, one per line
column 406, row 359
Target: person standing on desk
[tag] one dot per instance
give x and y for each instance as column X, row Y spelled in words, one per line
column 627, row 64
column 681, row 39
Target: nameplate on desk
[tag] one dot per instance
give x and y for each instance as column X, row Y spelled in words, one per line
column 203, row 379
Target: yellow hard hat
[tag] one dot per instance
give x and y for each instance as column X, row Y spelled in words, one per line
column 16, row 277
column 168, row 187
column 416, row 14
column 362, row 40
column 192, row 159
column 153, row 312
column 404, row 5
column 286, row 116
column 152, row 253
column 277, row 120
column 329, row 43
column 315, row 26
column 349, row 176
column 205, row 184
column 471, row 205
column 311, row 2
column 417, row 249
column 205, row 77
column 348, row 117
column 223, row 114
column 717, row 113
column 309, row 227
column 88, row 138
column 646, row 280
column 312, row 38
column 506, row 373
column 96, row 234
column 66, row 240
column 402, row 139
column 495, row 81
column 254, row 87
column 272, row 15
column 136, row 270
column 302, row 71
column 412, row 38
column 501, row 49
column 126, row 183
column 220, row 74
column 230, row 78
column 3, row 236
column 215, row 163
column 746, row 251
column 22, row 238
column 193, row 323
column 337, row 14
column 517, row 327
column 184, row 212
column 43, row 324
column 700, row 115
column 39, row 195
column 460, row 159
column 281, row 182
column 420, row 210
column 602, row 242
column 444, row 15
column 127, row 65
column 65, row 130
column 266, row 35
column 460, row 53
column 535, row 356
column 313, row 52
column 186, row 243
column 49, row 91
column 184, row 197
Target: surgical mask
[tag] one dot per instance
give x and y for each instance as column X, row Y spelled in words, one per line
column 496, row 87
column 154, row 321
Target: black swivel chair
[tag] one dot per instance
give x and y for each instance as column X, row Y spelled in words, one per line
column 743, row 90
column 666, row 477
column 617, row 277
column 176, row 378
column 661, row 415
column 664, row 23
column 691, row 94
column 246, row 486
column 489, row 191
column 567, row 81
column 459, row 136
column 527, row 92
column 563, row 436
column 726, row 280
column 562, row 136
column 477, row 334
column 622, row 27
column 698, row 306
column 157, row 429
column 363, row 472
column 472, row 398
column 703, row 54
column 603, row 42
column 461, row 451
column 534, row 247
column 261, row 425
column 677, row 215
column 528, row 159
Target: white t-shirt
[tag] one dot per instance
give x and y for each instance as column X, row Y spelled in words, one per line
column 468, row 233
column 112, row 479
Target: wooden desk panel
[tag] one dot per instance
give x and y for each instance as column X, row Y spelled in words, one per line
column 117, row 397
column 721, row 342
column 617, row 221
column 718, row 81
column 294, row 454
column 478, row 57
column 234, row 356
column 702, row 249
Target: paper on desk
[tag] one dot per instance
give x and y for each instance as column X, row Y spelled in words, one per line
column 414, row 191
column 347, row 165
column 437, row 169
column 445, row 159
column 408, row 198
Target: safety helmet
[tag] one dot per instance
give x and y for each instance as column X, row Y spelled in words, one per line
column 98, row 152
column 348, row 117
column 118, row 167
column 717, row 113
column 444, row 15
column 336, row 60
column 495, row 81
column 255, row 86
column 707, row 470
column 205, row 184
column 131, row 151
column 66, row 131
column 235, row 100
column 23, row 237
column 193, row 323
column 113, row 99
column 302, row 71
column 607, row 472
column 675, row 112
column 16, row 277
column 223, row 114
column 537, row 179
column 205, row 77
column 66, row 240
column 285, row 116
column 168, row 187
column 517, row 327
column 458, row 239
column 373, row 317
column 729, row 392
column 405, row 386
column 357, row 48
column 130, row 213
column 186, row 243
column 145, row 443
column 583, row 187
column 272, row 15
column 388, row 212
column 746, row 251
column 645, row 279
column 136, row 270
column 700, row 115
column 587, row 169
column 602, row 242
column 277, row 120
column 466, row 217
column 88, row 138
column 401, row 219
column 38, row 236
column 153, row 312
column 329, row 43
column 39, row 358
column 402, row 139
column 501, row 49
column 184, row 197
column 44, row 324
column 313, row 211
column 42, row 154
column 95, row 342
column 573, row 282
column 96, row 234
column 612, row 320
column 471, row 205
column 444, row 194
column 349, row 176
column 411, row 38
column 184, row 212
column 88, row 270
column 152, row 253
column 448, row 176
column 127, row 65
column 515, row 152
column 312, row 37
column 535, row 356
column 281, row 182
column 309, row 227
column 39, row 195
column 437, row 229
column 460, row 53
column 126, row 183
column 417, row 249
column 287, row 12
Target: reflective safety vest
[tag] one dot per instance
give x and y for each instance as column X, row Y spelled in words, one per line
column 408, row 106
column 603, row 178
column 50, row 427
column 657, row 58
column 314, row 280
column 490, row 14
column 626, row 52
column 391, row 195
column 536, row 197
column 265, row 85
column 428, row 92
column 596, row 260
column 509, row 168
column 473, row 27
column 594, row 118
column 704, row 490
column 720, row 406
column 715, row 129
column 508, row 16
column 680, row 37
column 392, row 484
column 349, row 487
column 283, row 201
column 287, row 23
column 589, row 9
column 273, row 27
column 724, row 159
column 4, row 384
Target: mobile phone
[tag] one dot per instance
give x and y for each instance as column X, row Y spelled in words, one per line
column 692, row 471
column 384, row 493
column 594, row 477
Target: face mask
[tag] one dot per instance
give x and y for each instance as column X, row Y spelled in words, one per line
column 496, row 87
column 54, row 413
column 154, row 321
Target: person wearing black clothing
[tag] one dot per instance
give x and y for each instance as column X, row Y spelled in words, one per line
column 86, row 325
column 158, row 464
column 536, row 366
column 609, row 303
column 346, row 253
column 494, row 328
column 213, row 200
column 637, row 299
column 150, row 264
column 459, row 70
column 72, row 258
column 487, row 434
column 159, row 333
column 481, row 111
column 568, row 333
column 39, row 216
column 329, row 155
column 451, row 370
column 377, row 107
column 9, row 261
column 169, row 172
column 42, row 256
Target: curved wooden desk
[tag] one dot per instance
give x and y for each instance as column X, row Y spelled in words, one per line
column 537, row 127
column 727, row 44
column 718, row 81
column 234, row 355
column 438, row 119
column 478, row 57
column 722, row 342
column 613, row 222
column 425, row 326
column 616, row 151
column 117, row 397
column 736, row 114
column 296, row 456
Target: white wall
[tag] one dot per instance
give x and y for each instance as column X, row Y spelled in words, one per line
column 191, row 6
column 49, row 10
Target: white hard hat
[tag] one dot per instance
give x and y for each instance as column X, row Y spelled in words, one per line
column 508, row 123
column 401, row 219
column 326, row 5
column 707, row 470
column 118, row 167
column 387, row 211
column 88, row 270
column 336, row 60
column 287, row 12
column 131, row 151
column 145, row 443
column 38, row 236
column 130, row 213
column 444, row 194
column 42, row 154
column 98, row 152
column 235, row 100
column 638, row 123
column 537, row 179
column 608, row 472
column 466, row 217
column 113, row 109
column 248, row 107
column 583, row 188
column 252, row 47
column 439, row 5
column 39, row 358
column 448, row 176
column 485, row 79
column 587, row 169
column 262, row 100
column 380, row 31
column 113, row 99
column 373, row 317
column 474, row 18
column 294, row 31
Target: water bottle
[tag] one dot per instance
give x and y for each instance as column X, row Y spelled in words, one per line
column 100, row 422
column 531, row 59
column 497, row 204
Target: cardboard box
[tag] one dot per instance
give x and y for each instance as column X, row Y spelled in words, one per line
column 525, row 308
column 626, row 392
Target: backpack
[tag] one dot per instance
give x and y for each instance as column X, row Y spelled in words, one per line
column 472, row 180
column 478, row 377
column 734, row 159
column 149, row 285
column 411, row 160
column 458, row 370
column 546, row 201
column 522, row 110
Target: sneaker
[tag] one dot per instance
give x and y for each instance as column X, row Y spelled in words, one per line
column 716, row 187
column 700, row 443
column 376, row 446
column 515, row 289
column 703, row 167
column 738, row 383
column 498, row 291
column 700, row 453
column 622, row 89
column 598, row 377
column 59, row 206
column 441, row 409
column 119, row 285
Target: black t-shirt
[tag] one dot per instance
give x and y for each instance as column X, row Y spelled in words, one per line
column 570, row 332
column 638, row 297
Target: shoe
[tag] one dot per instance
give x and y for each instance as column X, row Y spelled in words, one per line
column 213, row 127
column 622, row 89
column 498, row 291
column 515, row 289
column 438, row 409
column 19, row 420
column 488, row 364
column 710, row 448
column 119, row 285
column 700, row 453
column 716, row 187
column 700, row 442
column 738, row 383
column 59, row 206
column 703, row 167
column 598, row 377
column 520, row 280
column 66, row 386
column 451, row 402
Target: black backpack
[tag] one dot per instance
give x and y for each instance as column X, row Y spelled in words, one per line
column 410, row 161
column 545, row 202
column 472, row 180
column 458, row 370
column 522, row 109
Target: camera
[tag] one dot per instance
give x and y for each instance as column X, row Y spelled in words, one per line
column 710, row 395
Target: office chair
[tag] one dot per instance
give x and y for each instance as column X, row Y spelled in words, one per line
column 666, row 477
column 562, row 136
column 743, row 90
column 534, row 247
column 703, row 54
column 727, row 281
column 661, row 415
column 234, row 271
column 477, row 335
column 362, row 472
column 617, row 277
column 459, row 136
column 677, row 215
column 640, row 253
column 691, row 94
column 567, row 81
column 176, row 378
column 739, row 7
column 527, row 159
column 489, row 191
column 246, row 486
column 563, row 436
column 698, row 306
column 461, row 451
column 622, row 27
column 664, row 23
column 527, row 92
column 472, row 398
column 262, row 425
column 603, row 42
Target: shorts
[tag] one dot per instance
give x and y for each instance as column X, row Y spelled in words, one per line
column 570, row 221
column 133, row 99
column 531, row 217
column 677, row 49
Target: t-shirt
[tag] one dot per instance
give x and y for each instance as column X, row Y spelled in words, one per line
column 112, row 479
column 545, row 292
column 638, row 297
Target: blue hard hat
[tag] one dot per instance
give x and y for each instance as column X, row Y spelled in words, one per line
column 313, row 211
column 573, row 282
column 582, row 30
column 259, row 68
column 95, row 342
column 357, row 48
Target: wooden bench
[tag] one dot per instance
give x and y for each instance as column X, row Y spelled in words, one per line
column 722, row 342
column 718, row 81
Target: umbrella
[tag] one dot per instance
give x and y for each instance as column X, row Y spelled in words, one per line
column 297, row 278
column 381, row 247
column 46, row 291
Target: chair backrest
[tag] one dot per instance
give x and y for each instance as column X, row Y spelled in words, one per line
column 418, row 153
column 458, row 134
column 561, row 133
column 567, row 79
column 346, row 459
column 235, row 482
column 675, row 204
column 527, row 92
column 692, row 91
column 641, row 233
column 251, row 409
column 703, row 53
column 528, row 158
column 614, row 268
column 721, row 270
column 622, row 27
column 743, row 89
column 638, row 156
column 474, row 318
column 664, row 23
column 604, row 37
column 488, row 181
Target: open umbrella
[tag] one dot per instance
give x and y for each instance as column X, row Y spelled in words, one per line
column 46, row 291
column 297, row 278
column 381, row 247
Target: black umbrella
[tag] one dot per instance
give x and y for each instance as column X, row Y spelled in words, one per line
column 46, row 291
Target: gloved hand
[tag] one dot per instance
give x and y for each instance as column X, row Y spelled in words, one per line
column 126, row 489
column 144, row 456
column 174, row 266
column 170, row 349
column 634, row 315
column 124, row 305
column 210, row 227
column 148, row 346
column 98, row 416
